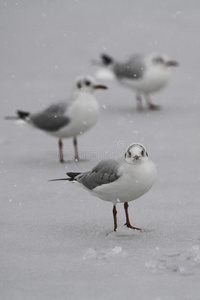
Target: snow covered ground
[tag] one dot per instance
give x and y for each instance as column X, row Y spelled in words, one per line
column 56, row 240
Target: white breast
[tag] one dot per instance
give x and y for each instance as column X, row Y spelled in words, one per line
column 83, row 113
column 154, row 79
column 135, row 182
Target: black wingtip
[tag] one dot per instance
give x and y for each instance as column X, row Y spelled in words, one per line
column 22, row 114
column 106, row 59
column 72, row 175
column 11, row 118
column 59, row 179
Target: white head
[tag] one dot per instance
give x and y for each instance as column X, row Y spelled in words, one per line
column 161, row 60
column 86, row 84
column 136, row 154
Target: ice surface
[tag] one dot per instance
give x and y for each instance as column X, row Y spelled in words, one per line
column 56, row 240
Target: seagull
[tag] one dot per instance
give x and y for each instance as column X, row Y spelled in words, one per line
column 70, row 118
column 145, row 74
column 119, row 181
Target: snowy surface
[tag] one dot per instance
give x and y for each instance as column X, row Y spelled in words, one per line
column 56, row 240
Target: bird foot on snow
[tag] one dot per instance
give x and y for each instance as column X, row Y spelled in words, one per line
column 153, row 107
column 132, row 227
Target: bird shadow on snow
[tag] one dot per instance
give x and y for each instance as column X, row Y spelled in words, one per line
column 133, row 110
column 46, row 159
column 115, row 245
column 124, row 232
column 101, row 233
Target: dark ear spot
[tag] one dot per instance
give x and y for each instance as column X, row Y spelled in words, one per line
column 79, row 85
column 125, row 155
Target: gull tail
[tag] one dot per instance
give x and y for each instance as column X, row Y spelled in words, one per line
column 71, row 177
column 11, row 118
column 21, row 115
column 106, row 59
column 58, row 179
column 105, row 72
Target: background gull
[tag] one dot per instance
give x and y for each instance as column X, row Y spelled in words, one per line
column 144, row 74
column 70, row 118
column 122, row 180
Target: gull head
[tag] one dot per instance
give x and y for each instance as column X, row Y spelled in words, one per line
column 161, row 60
column 87, row 84
column 136, row 154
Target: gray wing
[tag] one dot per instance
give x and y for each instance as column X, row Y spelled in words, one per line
column 103, row 173
column 132, row 68
column 58, row 108
column 52, row 118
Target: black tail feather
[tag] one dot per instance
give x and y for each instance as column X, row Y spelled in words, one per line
column 59, row 179
column 11, row 118
column 22, row 114
column 72, row 175
column 106, row 59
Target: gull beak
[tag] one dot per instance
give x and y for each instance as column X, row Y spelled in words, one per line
column 100, row 86
column 172, row 63
column 136, row 157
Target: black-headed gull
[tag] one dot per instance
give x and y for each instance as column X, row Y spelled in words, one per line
column 122, row 180
column 145, row 74
column 68, row 119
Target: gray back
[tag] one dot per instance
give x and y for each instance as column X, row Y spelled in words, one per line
column 52, row 118
column 133, row 68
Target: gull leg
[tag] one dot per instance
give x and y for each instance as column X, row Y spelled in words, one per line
column 150, row 104
column 139, row 102
column 60, row 145
column 128, row 224
column 76, row 157
column 115, row 217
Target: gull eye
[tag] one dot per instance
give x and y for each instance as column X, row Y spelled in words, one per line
column 87, row 83
column 129, row 153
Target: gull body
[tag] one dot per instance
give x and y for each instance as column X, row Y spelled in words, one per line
column 145, row 74
column 133, row 182
column 119, row 181
column 70, row 118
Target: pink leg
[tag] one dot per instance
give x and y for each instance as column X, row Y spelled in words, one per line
column 115, row 217
column 76, row 157
column 60, row 145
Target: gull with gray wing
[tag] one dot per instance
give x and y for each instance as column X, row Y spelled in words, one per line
column 70, row 118
column 119, row 181
column 145, row 74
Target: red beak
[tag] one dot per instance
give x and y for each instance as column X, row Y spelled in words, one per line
column 136, row 157
column 100, row 86
column 172, row 63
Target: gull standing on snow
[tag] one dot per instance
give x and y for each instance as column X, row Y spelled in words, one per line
column 122, row 180
column 144, row 74
column 70, row 118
